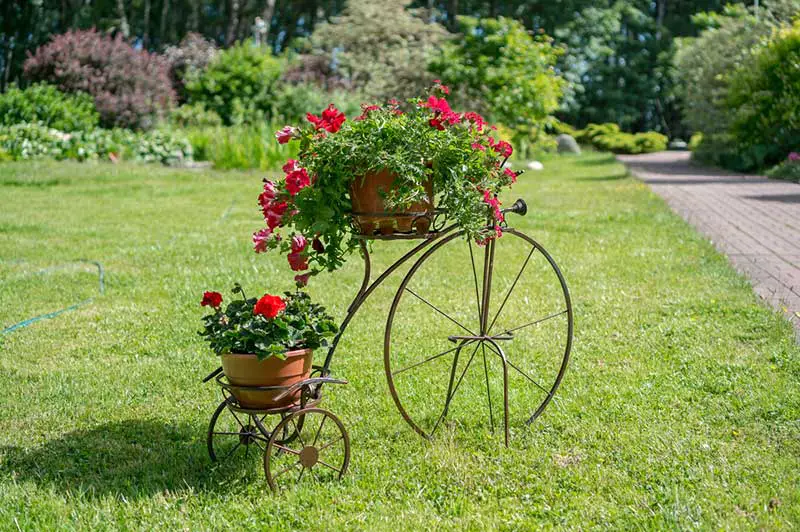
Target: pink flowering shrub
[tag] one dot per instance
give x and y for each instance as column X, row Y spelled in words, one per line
column 131, row 88
column 307, row 213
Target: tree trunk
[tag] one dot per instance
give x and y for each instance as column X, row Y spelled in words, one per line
column 661, row 11
column 146, row 25
column 194, row 15
column 233, row 20
column 452, row 13
column 162, row 30
column 269, row 11
column 123, row 19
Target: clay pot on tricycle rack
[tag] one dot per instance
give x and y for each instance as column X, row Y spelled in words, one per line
column 371, row 214
column 245, row 371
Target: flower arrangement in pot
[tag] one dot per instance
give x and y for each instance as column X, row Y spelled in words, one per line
column 385, row 170
column 266, row 341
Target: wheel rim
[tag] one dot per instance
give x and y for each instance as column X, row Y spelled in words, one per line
column 443, row 340
column 234, row 433
column 320, row 450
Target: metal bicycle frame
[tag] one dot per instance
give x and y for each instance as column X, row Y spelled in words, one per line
column 367, row 288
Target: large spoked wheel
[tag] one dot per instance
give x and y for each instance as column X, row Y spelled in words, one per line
column 320, row 451
column 231, row 433
column 478, row 335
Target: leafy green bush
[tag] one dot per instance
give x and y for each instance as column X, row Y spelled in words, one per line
column 788, row 169
column 632, row 143
column 33, row 141
column 292, row 102
column 496, row 67
column 592, row 131
column 764, row 100
column 245, row 146
column 47, row 105
column 238, row 84
column 194, row 115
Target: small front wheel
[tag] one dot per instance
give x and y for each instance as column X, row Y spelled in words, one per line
column 231, row 433
column 320, row 450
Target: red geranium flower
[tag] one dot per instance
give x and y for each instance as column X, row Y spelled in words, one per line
column 435, row 122
column 331, row 119
column 502, row 147
column 478, row 146
column 211, row 299
column 476, row 119
column 269, row 306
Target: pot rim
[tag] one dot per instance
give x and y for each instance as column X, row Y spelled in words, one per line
column 293, row 353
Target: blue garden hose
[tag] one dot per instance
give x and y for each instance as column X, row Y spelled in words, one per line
column 50, row 315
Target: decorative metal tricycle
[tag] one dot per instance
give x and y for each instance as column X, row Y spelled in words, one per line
column 438, row 325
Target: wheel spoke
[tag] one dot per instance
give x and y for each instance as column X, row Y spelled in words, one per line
column 302, row 470
column 329, row 466
column 259, row 446
column 286, row 449
column 284, row 470
column 514, row 366
column 535, row 322
column 239, row 444
column 437, row 310
column 511, row 289
column 488, row 391
column 429, row 359
column 337, row 440
column 455, row 389
column 236, row 418
column 227, row 433
column 316, row 436
column 297, row 431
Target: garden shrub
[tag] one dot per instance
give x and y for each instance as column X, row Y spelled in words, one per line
column 292, row 102
column 631, row 143
column 131, row 88
column 788, row 169
column 496, row 67
column 188, row 58
column 764, row 101
column 33, row 141
column 47, row 105
column 193, row 116
column 238, row 84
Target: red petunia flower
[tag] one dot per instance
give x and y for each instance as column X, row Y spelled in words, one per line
column 298, row 261
column 494, row 203
column 435, row 122
column 269, row 306
column 317, row 245
column 273, row 213
column 331, row 119
column 502, row 147
column 297, row 180
column 510, row 173
column 478, row 146
column 302, row 278
column 262, row 238
column 477, row 120
column 268, row 195
column 285, row 135
column 211, row 299
column 290, row 166
column 299, row 243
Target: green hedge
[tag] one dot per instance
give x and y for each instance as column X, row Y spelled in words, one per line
column 608, row 137
column 45, row 104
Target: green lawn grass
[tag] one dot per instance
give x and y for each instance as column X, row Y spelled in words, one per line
column 680, row 409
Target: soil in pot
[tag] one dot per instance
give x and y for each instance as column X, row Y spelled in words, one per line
column 367, row 196
column 247, row 370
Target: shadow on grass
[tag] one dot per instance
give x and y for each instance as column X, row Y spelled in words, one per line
column 611, row 177
column 132, row 458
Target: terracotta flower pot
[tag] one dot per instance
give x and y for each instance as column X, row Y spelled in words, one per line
column 247, row 370
column 366, row 194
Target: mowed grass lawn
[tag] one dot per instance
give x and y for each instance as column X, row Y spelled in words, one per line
column 680, row 408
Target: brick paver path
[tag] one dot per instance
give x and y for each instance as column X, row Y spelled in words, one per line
column 753, row 220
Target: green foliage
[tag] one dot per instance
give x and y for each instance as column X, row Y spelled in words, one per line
column 764, row 102
column 239, row 84
column 631, row 142
column 194, row 115
column 237, row 329
column 380, row 46
column 495, row 66
column 788, row 170
column 618, row 64
column 34, row 141
column 292, row 102
column 244, row 146
column 46, row 105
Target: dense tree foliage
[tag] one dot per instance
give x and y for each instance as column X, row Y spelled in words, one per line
column 617, row 52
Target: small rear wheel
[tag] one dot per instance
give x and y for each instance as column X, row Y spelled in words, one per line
column 320, row 451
